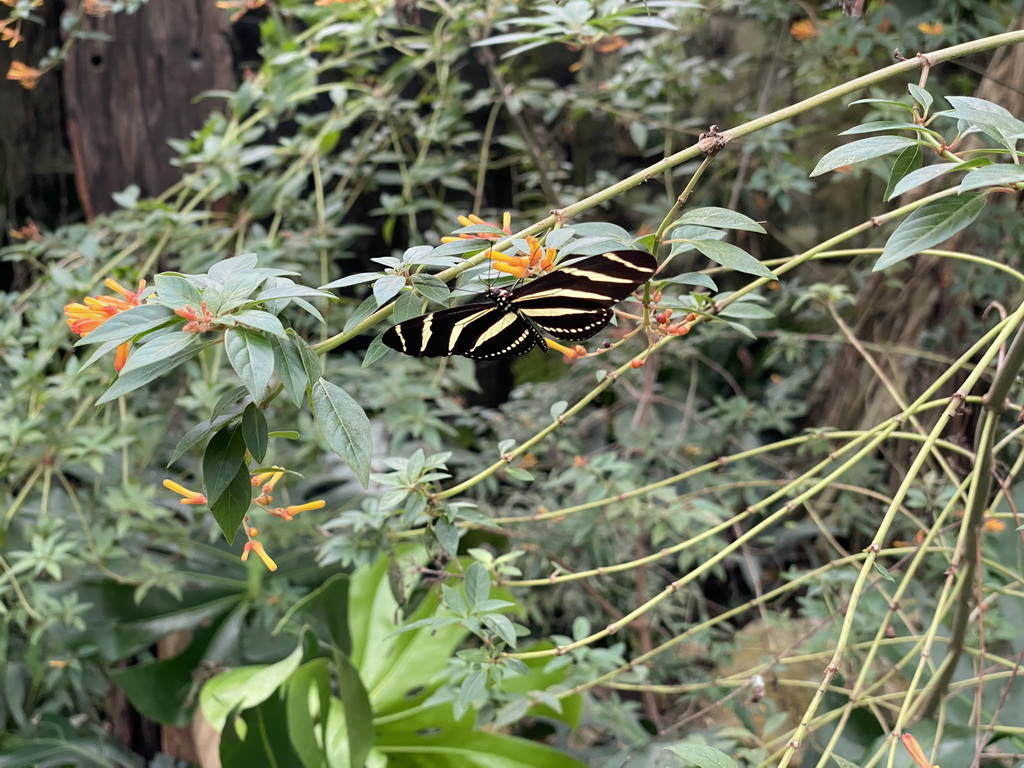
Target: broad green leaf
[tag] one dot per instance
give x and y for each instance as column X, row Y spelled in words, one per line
column 307, row 699
column 254, row 431
column 374, row 352
column 176, row 291
column 733, row 257
column 477, row 583
column 252, row 357
column 289, row 368
column 358, row 710
column 345, row 427
column 387, row 287
column 719, row 218
column 129, row 324
column 149, row 361
column 921, row 96
column 407, row 306
column 244, row 687
column 993, row 176
column 888, row 102
column 233, row 504
column 39, row 751
column 694, row 278
column 747, row 310
column 260, row 320
column 224, row 454
column 928, row 226
column 195, row 435
column 859, row 151
column 881, row 125
column 363, row 311
column 702, row 756
column 909, row 160
column 357, row 279
column 325, row 608
column 474, row 749
column 431, row 287
column 916, row 178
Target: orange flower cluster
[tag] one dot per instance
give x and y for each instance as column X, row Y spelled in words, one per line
column 23, row 73
column 931, row 28
column 666, row 326
column 474, row 220
column 536, row 262
column 805, row 29
column 265, row 482
column 242, row 6
column 199, row 321
column 83, row 318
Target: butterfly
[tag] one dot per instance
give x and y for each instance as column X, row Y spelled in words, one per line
column 572, row 304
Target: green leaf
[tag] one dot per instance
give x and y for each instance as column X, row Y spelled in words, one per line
column 909, row 160
column 374, row 352
column 993, row 176
column 694, row 278
column 702, row 756
column 345, row 427
column 464, row 748
column 309, row 686
column 195, row 435
column 916, row 178
column 733, row 257
column 921, row 96
column 719, row 218
column 129, row 324
column 245, row 687
column 477, row 583
column 928, row 226
column 254, row 431
column 252, row 357
column 326, row 608
column 447, row 535
column 363, row 311
column 233, row 504
column 889, row 102
column 387, row 287
column 148, row 361
column 747, row 310
column 176, row 291
column 431, row 287
column 859, row 151
column 289, row 368
column 357, row 279
column 881, row 125
column 224, row 454
column 358, row 710
column 259, row 320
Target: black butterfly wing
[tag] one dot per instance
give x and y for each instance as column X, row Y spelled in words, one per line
column 477, row 331
column 576, row 302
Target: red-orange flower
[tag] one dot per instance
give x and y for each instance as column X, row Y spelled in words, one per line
column 83, row 318
column 242, row 5
column 916, row 753
column 474, row 220
column 287, row 513
column 805, row 29
column 24, row 74
column 537, row 262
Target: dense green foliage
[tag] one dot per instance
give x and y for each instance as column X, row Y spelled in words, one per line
column 663, row 547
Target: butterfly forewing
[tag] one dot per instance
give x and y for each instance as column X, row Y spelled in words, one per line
column 572, row 304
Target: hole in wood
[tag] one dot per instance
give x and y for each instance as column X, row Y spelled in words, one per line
column 196, row 55
column 95, row 59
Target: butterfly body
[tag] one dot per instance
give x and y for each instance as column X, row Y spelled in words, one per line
column 571, row 304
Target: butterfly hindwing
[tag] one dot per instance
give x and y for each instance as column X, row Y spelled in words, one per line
column 572, row 304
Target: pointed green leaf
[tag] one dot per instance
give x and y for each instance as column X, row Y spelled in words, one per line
column 993, row 176
column 345, row 427
column 719, row 218
column 224, row 454
column 859, row 151
column 233, row 504
column 733, row 257
column 149, row 361
column 252, row 357
column 930, row 225
column 387, row 287
column 909, row 160
column 254, row 431
column 129, row 324
column 702, row 756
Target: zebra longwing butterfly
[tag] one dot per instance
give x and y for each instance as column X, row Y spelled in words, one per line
column 571, row 304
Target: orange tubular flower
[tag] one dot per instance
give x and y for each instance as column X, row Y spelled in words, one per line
column 931, row 28
column 537, row 262
column 474, row 220
column 916, row 753
column 570, row 354
column 287, row 513
column 83, row 318
column 255, row 546
column 24, row 74
column 190, row 497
